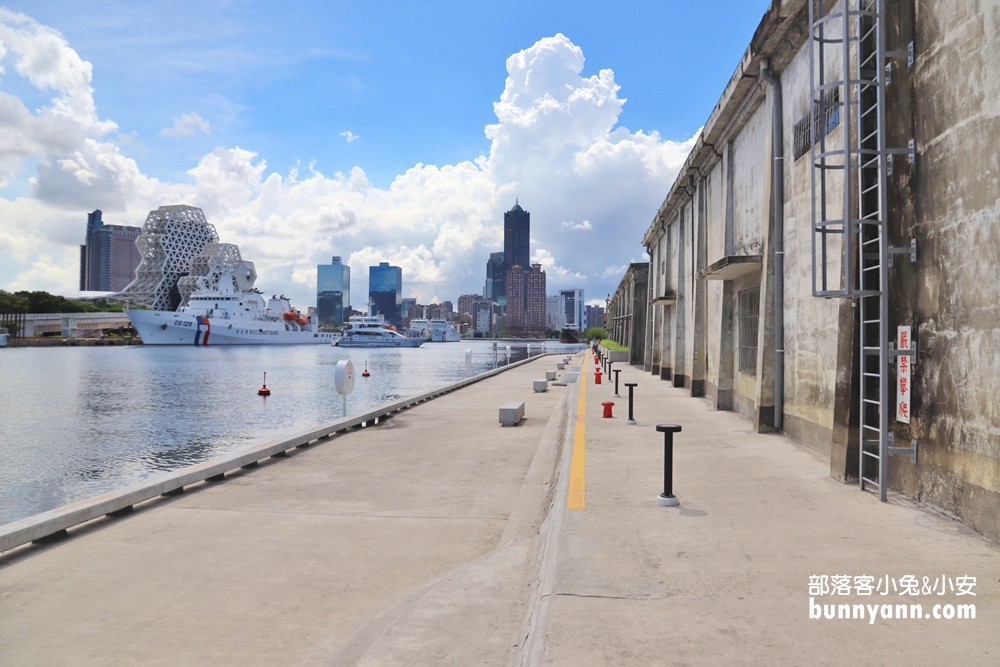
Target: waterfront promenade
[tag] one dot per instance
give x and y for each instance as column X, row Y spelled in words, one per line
column 440, row 538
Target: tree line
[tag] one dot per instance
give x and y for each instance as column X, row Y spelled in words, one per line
column 43, row 302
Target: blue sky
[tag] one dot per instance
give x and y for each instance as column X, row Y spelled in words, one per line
column 413, row 83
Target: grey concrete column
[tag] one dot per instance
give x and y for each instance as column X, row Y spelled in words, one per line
column 727, row 157
column 699, row 351
column 650, row 344
column 680, row 309
column 763, row 420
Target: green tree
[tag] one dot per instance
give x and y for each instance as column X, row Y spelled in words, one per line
column 595, row 333
column 12, row 303
column 43, row 302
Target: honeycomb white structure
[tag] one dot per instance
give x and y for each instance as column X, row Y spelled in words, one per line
column 218, row 268
column 171, row 238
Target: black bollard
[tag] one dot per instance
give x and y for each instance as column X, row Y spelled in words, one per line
column 667, row 498
column 616, row 383
column 631, row 385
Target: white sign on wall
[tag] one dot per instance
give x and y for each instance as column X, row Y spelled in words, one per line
column 903, row 342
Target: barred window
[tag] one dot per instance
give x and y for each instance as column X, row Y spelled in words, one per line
column 749, row 305
column 827, row 119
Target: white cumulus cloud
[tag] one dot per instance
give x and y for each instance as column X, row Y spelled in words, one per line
column 556, row 145
column 350, row 136
column 187, row 126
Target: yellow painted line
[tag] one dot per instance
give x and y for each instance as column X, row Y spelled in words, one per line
column 577, row 499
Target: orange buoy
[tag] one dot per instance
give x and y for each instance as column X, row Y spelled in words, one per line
column 365, row 373
column 264, row 391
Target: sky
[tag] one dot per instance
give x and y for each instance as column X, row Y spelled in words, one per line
column 375, row 131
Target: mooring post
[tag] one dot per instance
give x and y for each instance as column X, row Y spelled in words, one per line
column 667, row 498
column 631, row 385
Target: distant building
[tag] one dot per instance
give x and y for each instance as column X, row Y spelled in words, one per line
column 405, row 315
column 408, row 303
column 553, row 316
column 447, row 310
column 109, row 256
column 385, row 291
column 571, row 306
column 333, row 293
column 593, row 316
column 484, row 316
column 493, row 290
column 526, row 300
column 465, row 303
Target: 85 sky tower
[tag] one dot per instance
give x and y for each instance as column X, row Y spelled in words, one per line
column 516, row 233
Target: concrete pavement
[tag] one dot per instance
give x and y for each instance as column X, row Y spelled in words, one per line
column 723, row 579
column 442, row 538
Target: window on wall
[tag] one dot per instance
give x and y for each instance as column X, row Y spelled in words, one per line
column 827, row 119
column 747, row 310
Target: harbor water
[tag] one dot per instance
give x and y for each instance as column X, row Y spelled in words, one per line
column 76, row 422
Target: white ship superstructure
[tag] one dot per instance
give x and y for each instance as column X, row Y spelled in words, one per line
column 442, row 331
column 437, row 330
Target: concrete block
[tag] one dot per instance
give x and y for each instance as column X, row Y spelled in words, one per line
column 561, row 365
column 540, row 386
column 617, row 355
column 512, row 413
column 550, row 375
column 569, row 377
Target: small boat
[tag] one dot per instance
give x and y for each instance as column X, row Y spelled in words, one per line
column 372, row 331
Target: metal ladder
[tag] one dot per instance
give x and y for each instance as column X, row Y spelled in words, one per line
column 854, row 245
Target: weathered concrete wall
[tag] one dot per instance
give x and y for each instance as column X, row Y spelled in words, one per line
column 750, row 197
column 949, row 200
column 811, row 324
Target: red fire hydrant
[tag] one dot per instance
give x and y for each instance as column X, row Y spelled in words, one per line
column 597, row 375
column 607, row 409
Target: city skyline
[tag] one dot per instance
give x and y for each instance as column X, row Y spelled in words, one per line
column 589, row 164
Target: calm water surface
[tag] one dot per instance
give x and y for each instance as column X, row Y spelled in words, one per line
column 79, row 421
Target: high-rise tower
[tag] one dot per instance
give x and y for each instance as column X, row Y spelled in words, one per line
column 516, row 232
column 385, row 292
column 333, row 293
column 109, row 256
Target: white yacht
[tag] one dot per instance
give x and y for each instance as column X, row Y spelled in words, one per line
column 372, row 331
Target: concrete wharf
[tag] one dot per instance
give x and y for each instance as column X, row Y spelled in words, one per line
column 439, row 537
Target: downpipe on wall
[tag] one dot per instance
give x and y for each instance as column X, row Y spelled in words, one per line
column 778, row 195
